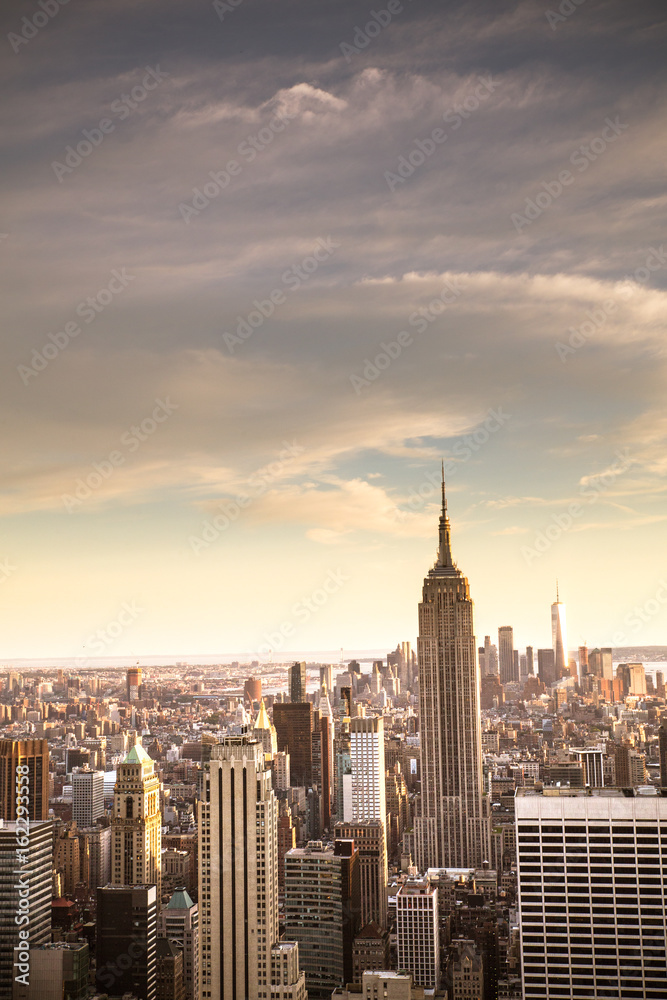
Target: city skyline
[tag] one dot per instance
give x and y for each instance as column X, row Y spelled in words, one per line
column 251, row 302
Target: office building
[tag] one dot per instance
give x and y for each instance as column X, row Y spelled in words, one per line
column 633, row 678
column 26, row 866
column 33, row 754
column 179, row 921
column 417, row 932
column 168, row 971
column 238, row 875
column 465, row 971
column 98, row 854
column 133, row 684
column 630, row 767
column 136, row 824
column 297, row 683
column 452, row 826
column 559, row 637
column 506, row 655
column 546, row 666
column 369, row 839
column 87, row 797
column 592, row 900
column 662, row 737
column 294, row 731
column 57, row 972
column 592, row 759
column 322, row 912
column 368, row 770
column 126, row 941
column 600, row 663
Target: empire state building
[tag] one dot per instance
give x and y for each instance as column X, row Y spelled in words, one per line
column 452, row 827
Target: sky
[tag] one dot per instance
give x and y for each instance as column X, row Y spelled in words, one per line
column 266, row 264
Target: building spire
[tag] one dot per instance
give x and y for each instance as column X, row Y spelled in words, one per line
column 444, row 564
column 557, row 597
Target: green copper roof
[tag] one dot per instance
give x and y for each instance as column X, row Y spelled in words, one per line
column 180, row 900
column 137, row 755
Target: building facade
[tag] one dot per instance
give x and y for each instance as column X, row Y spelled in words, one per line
column 592, row 893
column 452, row 827
column 126, row 941
column 418, row 932
column 87, row 797
column 136, row 825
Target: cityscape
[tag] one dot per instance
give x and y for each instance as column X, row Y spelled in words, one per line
column 333, row 598
column 452, row 822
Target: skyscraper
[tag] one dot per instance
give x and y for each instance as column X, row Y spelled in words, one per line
column 133, row 683
column 238, row 877
column 452, row 828
column 418, row 932
column 591, row 898
column 368, row 771
column 294, row 729
column 126, row 941
column 559, row 636
column 33, row 754
column 508, row 675
column 297, row 682
column 25, row 896
column 179, row 922
column 87, row 797
column 136, row 825
column 322, row 911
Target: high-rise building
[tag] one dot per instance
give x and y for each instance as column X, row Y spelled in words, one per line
column 133, row 684
column 600, row 663
column 591, row 900
column 136, row 824
column 418, row 932
column 465, row 972
column 294, row 729
column 368, row 771
column 179, row 921
column 322, row 912
column 546, row 666
column 452, row 828
column 33, row 754
column 633, row 678
column 559, row 637
column 592, row 759
column 126, row 941
column 297, row 683
column 506, row 655
column 630, row 767
column 530, row 661
column 662, row 736
column 87, row 797
column 238, row 876
column 98, row 839
column 26, row 869
column 169, row 970
column 57, row 972
column 369, row 839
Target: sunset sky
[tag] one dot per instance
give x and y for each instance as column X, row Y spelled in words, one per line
column 179, row 349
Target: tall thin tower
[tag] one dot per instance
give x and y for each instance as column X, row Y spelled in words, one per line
column 559, row 636
column 453, row 826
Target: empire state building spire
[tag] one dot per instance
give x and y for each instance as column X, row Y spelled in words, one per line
column 445, row 565
column 452, row 825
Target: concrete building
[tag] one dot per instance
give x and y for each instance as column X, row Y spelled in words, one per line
column 592, row 761
column 368, row 771
column 369, row 839
column 33, row 754
column 370, row 951
column 465, row 971
column 98, row 840
column 297, row 683
column 57, row 972
column 418, row 932
column 592, row 901
column 26, row 865
column 384, row 983
column 169, row 971
column 452, row 825
column 126, row 941
column 508, row 675
column 238, row 875
column 179, row 921
column 322, row 912
column 136, row 825
column 87, row 797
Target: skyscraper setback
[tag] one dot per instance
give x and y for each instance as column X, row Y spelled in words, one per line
column 452, row 828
